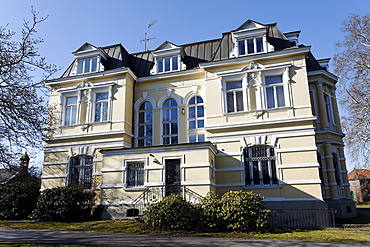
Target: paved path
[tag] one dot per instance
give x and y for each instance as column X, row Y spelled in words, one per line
column 69, row 237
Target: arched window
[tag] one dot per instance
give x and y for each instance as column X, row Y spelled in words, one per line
column 170, row 122
column 196, row 119
column 260, row 166
column 145, row 125
column 80, row 169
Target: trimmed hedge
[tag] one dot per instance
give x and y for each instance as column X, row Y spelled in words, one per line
column 64, row 204
column 18, row 200
column 235, row 211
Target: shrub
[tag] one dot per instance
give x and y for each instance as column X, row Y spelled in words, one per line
column 18, row 200
column 64, row 204
column 172, row 213
column 244, row 211
column 211, row 213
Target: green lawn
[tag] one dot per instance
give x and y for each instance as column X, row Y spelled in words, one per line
column 130, row 227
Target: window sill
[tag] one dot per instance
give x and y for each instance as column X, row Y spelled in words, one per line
column 134, row 188
column 275, row 186
column 259, row 111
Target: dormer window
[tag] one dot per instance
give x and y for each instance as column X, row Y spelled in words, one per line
column 88, row 59
column 167, row 64
column 87, row 65
column 250, row 38
column 250, row 46
column 167, row 58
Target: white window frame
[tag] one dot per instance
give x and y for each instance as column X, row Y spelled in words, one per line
column 245, row 42
column 163, row 60
column 90, row 69
column 102, row 104
column 285, row 84
column 64, row 106
column 171, row 121
column 144, row 124
column 196, row 131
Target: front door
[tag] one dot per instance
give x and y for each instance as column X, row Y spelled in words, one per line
column 173, row 181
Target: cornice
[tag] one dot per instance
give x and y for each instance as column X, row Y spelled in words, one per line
column 90, row 76
column 250, row 58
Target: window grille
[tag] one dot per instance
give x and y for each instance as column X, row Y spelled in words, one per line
column 80, row 171
column 260, row 166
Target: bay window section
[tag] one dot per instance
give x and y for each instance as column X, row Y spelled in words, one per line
column 101, row 107
column 260, row 166
column 170, row 122
column 196, row 119
column 70, row 117
column 145, row 124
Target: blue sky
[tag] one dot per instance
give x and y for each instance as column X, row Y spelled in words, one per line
column 71, row 23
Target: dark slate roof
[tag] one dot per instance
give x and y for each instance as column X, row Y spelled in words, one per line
column 312, row 64
column 195, row 53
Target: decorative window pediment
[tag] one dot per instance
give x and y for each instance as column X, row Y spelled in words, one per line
column 167, row 58
column 250, row 38
column 88, row 59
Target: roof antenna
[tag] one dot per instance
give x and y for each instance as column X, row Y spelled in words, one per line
column 147, row 37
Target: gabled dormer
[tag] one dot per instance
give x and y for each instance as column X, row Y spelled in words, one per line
column 167, row 57
column 250, row 38
column 88, row 59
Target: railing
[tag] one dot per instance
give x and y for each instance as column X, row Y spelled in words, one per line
column 302, row 218
column 154, row 194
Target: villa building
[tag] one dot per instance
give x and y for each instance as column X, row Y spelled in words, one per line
column 251, row 110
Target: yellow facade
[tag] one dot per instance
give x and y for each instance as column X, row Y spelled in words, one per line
column 250, row 113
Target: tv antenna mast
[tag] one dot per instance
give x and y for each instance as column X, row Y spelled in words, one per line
column 147, row 37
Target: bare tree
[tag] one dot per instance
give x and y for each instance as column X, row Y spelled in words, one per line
column 352, row 64
column 23, row 110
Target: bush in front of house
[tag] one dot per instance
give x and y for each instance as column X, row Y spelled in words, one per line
column 18, row 200
column 210, row 211
column 235, row 211
column 244, row 211
column 172, row 213
column 64, row 204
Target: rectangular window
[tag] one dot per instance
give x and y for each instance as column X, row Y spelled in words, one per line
column 80, row 171
column 250, row 46
column 274, row 91
column 135, row 174
column 234, row 96
column 260, row 166
column 167, row 64
column 101, row 107
column 87, row 65
column 70, row 117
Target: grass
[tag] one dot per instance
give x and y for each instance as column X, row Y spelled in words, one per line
column 130, row 227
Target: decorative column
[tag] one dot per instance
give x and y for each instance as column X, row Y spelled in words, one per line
column 321, row 105
column 330, row 171
column 343, row 167
column 335, row 110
